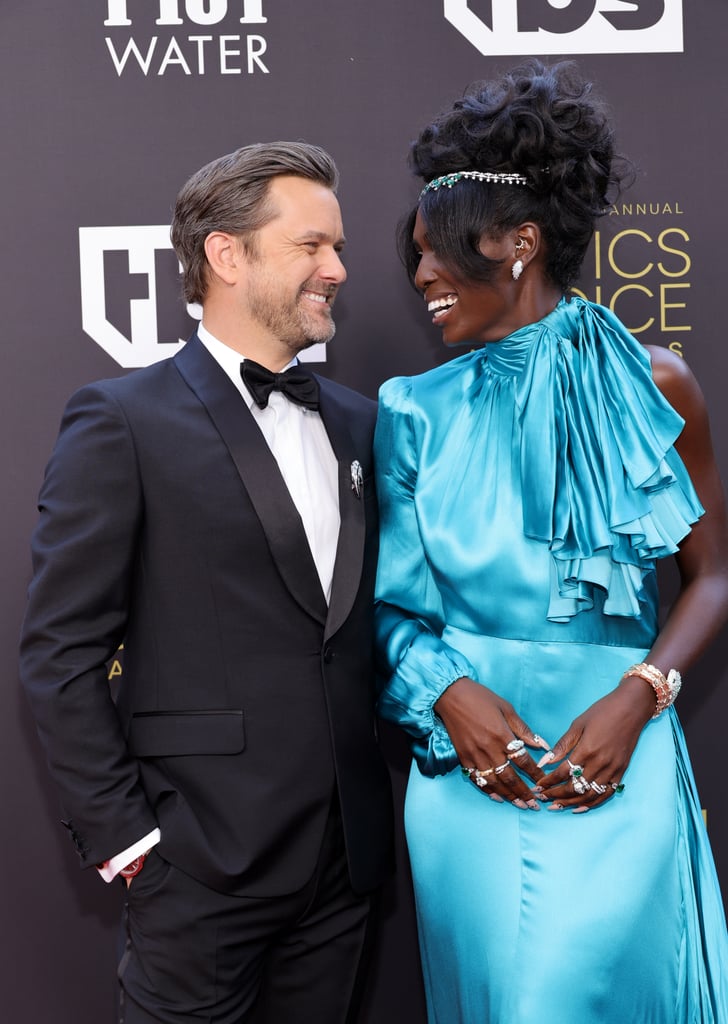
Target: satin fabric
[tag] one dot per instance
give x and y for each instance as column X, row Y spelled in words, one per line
column 526, row 490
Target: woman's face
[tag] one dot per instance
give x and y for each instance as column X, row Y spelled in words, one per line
column 469, row 311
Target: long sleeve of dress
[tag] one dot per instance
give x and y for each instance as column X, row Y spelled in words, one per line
column 417, row 663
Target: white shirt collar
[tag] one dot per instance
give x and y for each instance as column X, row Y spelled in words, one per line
column 229, row 359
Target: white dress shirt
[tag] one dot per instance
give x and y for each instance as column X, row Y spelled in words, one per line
column 300, row 445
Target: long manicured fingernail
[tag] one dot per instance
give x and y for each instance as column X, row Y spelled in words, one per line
column 546, row 759
column 534, row 805
column 580, row 810
column 520, row 804
column 498, row 799
column 555, row 806
column 539, row 741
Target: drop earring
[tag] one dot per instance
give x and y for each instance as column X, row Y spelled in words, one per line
column 517, row 268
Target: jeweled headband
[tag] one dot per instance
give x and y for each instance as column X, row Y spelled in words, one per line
column 490, row 177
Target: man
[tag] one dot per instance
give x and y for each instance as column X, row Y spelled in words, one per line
column 197, row 511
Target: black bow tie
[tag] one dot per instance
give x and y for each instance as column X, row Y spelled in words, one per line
column 295, row 383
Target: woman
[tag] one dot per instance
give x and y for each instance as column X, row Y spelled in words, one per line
column 527, row 488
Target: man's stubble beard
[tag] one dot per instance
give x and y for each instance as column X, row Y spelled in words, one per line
column 287, row 321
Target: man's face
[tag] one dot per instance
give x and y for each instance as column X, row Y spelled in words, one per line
column 295, row 269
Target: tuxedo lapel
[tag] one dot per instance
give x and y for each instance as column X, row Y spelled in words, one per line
column 259, row 472
column 350, row 548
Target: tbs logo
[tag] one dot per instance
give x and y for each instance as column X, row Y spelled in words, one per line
column 503, row 27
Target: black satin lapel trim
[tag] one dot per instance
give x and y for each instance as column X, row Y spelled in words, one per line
column 260, row 474
column 350, row 549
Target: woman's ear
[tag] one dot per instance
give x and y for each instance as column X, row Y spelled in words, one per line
column 526, row 242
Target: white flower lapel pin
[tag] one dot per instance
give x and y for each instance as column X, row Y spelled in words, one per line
column 357, row 478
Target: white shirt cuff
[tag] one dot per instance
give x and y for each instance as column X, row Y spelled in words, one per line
column 111, row 868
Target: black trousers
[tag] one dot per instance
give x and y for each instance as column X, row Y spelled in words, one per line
column 194, row 955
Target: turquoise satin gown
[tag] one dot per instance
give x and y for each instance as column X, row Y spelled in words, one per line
column 526, row 490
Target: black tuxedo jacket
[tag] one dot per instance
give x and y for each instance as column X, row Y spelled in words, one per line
column 246, row 703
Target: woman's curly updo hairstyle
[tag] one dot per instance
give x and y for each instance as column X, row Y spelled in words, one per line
column 538, row 121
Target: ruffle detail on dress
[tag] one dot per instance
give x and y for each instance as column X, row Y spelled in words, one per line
column 608, row 493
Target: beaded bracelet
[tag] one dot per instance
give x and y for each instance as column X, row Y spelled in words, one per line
column 666, row 687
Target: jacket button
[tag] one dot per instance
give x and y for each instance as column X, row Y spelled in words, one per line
column 328, row 655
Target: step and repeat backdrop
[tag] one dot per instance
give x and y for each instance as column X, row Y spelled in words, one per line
column 107, row 106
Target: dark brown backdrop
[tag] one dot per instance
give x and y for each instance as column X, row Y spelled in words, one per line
column 106, row 107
